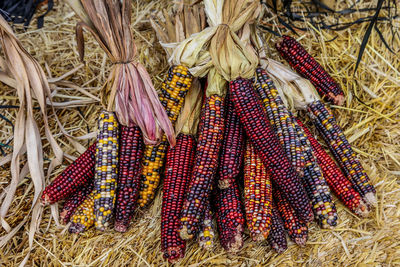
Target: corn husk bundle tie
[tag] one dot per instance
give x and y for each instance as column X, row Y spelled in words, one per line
column 129, row 89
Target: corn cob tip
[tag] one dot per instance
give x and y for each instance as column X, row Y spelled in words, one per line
column 237, row 242
column 174, row 254
column 278, row 249
column 120, row 227
column 337, row 100
column 362, row 209
column 259, row 237
column 76, row 228
column 301, row 241
column 370, row 199
column 62, row 216
column 206, row 245
column 223, row 184
column 45, row 200
column 184, row 233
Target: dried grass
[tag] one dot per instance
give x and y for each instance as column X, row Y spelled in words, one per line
column 373, row 129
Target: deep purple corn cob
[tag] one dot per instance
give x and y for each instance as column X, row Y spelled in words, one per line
column 280, row 119
column 72, row 178
column 277, row 236
column 73, row 201
column 232, row 149
column 306, row 65
column 178, row 168
column 297, row 229
column 337, row 182
column 211, row 130
column 341, row 150
column 131, row 149
column 230, row 218
column 259, row 130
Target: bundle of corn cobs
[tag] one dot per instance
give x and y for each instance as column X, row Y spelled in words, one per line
column 241, row 156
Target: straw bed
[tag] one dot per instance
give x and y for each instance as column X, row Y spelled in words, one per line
column 373, row 130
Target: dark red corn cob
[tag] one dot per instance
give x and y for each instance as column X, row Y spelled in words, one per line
column 258, row 129
column 178, row 168
column 280, row 119
column 306, row 65
column 230, row 218
column 316, row 185
column 211, row 130
column 72, row 178
column 337, row 182
column 74, row 201
column 297, row 230
column 131, row 149
column 342, row 151
column 232, row 149
column 277, row 236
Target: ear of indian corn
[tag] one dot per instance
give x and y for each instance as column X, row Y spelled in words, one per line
column 173, row 92
column 306, row 65
column 83, row 217
column 316, row 185
column 230, row 218
column 74, row 201
column 277, row 236
column 129, row 173
column 257, row 195
column 280, row 119
column 258, row 128
column 342, row 151
column 76, row 175
column 207, row 235
column 106, row 169
column 211, row 129
column 178, row 168
column 232, row 149
column 337, row 182
column 297, row 229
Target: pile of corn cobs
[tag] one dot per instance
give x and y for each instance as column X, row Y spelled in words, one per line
column 252, row 162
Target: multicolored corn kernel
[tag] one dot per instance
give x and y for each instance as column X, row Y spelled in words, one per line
column 316, row 185
column 73, row 201
column 280, row 119
column 296, row 228
column 129, row 173
column 211, row 131
column 306, row 65
column 253, row 117
column 337, row 182
column 172, row 94
column 232, row 150
column 178, row 169
column 277, row 236
column 341, row 149
column 257, row 195
column 106, row 169
column 83, row 218
column 206, row 234
column 230, row 218
column 72, row 178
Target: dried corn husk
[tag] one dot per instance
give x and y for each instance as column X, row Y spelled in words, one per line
column 21, row 71
column 129, row 90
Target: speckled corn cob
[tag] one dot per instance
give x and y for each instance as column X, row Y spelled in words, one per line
column 307, row 66
column 342, row 151
column 297, row 230
column 316, row 185
column 211, row 130
column 232, row 149
column 173, row 92
column 280, row 119
column 106, row 170
column 76, row 175
column 337, row 182
column 257, row 195
column 178, row 168
column 129, row 174
column 83, row 218
column 277, row 236
column 73, row 202
column 207, row 235
column 258, row 128
column 230, row 218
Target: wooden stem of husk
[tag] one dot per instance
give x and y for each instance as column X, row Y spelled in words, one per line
column 129, row 90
